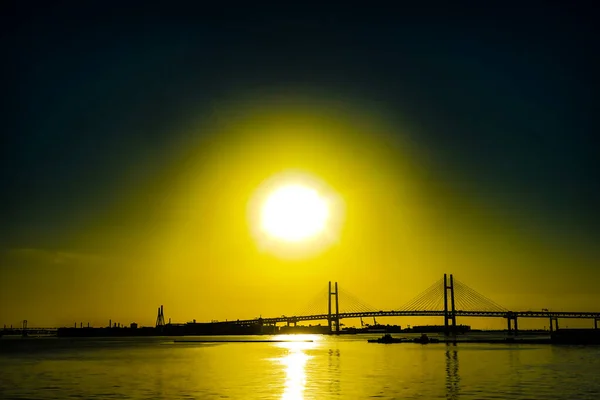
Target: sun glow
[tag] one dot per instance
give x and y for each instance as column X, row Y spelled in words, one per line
column 293, row 213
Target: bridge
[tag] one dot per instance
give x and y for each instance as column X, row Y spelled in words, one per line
column 447, row 298
column 23, row 330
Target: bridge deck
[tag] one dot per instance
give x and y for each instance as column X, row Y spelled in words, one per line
column 458, row 313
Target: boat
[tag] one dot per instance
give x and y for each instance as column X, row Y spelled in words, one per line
column 424, row 339
column 387, row 338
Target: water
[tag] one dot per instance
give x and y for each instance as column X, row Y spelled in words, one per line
column 344, row 367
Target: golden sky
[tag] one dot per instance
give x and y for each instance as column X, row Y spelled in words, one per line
column 184, row 238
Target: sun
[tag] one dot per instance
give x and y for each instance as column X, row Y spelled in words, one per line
column 294, row 212
column 295, row 215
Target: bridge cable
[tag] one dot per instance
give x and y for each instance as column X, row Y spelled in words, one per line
column 413, row 304
column 431, row 299
column 475, row 301
column 480, row 300
column 356, row 305
column 466, row 301
column 435, row 302
column 316, row 306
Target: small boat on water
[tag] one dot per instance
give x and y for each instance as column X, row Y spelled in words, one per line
column 424, row 339
column 387, row 338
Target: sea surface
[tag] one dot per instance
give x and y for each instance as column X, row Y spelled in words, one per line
column 344, row 367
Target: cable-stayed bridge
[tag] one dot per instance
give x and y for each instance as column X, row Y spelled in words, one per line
column 447, row 298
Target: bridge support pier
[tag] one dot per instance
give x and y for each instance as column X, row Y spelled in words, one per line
column 553, row 324
column 449, row 314
column 596, row 323
column 512, row 323
column 330, row 317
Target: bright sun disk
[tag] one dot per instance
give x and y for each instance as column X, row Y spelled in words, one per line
column 293, row 213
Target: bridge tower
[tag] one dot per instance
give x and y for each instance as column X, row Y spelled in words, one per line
column 160, row 318
column 24, row 330
column 449, row 314
column 336, row 317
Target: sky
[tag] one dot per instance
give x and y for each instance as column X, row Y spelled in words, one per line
column 135, row 140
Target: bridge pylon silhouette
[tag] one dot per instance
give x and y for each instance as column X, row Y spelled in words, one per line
column 449, row 314
column 333, row 318
column 449, row 311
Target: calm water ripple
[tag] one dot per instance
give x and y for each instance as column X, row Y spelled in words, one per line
column 329, row 368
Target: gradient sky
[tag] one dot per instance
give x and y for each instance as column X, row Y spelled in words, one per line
column 460, row 140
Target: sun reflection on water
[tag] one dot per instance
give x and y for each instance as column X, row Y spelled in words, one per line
column 295, row 365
